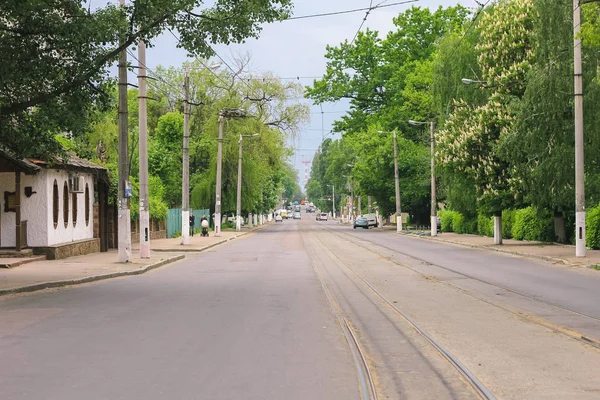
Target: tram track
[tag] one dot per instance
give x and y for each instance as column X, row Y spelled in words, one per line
column 476, row 385
column 559, row 329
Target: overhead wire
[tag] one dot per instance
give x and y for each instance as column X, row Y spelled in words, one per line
column 328, row 14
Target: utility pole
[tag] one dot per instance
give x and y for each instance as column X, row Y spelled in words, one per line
column 433, row 196
column 579, row 169
column 369, row 205
column 333, row 199
column 218, row 185
column 238, row 218
column 124, row 214
column 143, row 153
column 397, row 184
column 185, row 183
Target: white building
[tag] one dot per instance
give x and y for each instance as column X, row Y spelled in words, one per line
column 49, row 207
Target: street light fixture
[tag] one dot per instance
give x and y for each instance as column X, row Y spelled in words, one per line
column 433, row 195
column 396, row 182
column 468, row 81
column 238, row 219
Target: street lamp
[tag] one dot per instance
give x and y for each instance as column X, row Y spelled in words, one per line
column 238, row 219
column 224, row 113
column 433, row 196
column 397, row 183
column 468, row 81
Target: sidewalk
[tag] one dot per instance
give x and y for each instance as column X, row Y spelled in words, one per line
column 552, row 252
column 44, row 274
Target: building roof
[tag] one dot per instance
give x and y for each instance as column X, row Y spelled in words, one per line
column 33, row 165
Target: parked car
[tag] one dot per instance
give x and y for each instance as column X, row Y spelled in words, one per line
column 278, row 218
column 297, row 215
column 232, row 219
column 322, row 217
column 361, row 222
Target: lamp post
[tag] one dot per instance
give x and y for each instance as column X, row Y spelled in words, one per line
column 433, row 195
column 238, row 219
column 397, row 183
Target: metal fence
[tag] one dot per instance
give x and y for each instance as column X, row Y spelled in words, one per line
column 174, row 220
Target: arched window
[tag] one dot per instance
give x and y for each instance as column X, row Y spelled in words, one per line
column 66, row 203
column 74, row 210
column 55, row 206
column 87, row 205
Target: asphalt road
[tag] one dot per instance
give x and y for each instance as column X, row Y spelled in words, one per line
column 246, row 320
column 251, row 320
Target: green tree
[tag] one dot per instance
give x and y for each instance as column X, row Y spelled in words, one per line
column 68, row 48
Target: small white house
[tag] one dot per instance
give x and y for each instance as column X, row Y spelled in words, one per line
column 49, row 207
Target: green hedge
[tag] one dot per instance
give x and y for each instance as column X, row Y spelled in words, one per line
column 447, row 218
column 534, row 226
column 485, row 225
column 592, row 228
column 461, row 224
column 508, row 220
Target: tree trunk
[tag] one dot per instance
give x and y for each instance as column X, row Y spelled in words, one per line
column 559, row 227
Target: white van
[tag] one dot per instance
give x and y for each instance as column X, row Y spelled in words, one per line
column 371, row 219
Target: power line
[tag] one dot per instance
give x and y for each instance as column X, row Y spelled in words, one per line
column 380, row 5
column 363, row 21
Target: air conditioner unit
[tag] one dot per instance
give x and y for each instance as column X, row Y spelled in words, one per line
column 75, row 184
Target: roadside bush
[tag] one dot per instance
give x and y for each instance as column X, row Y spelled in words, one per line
column 447, row 217
column 531, row 225
column 176, row 234
column 592, row 228
column 508, row 220
column 485, row 225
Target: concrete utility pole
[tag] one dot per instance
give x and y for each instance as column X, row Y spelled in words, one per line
column 333, row 200
column 143, row 152
column 580, row 249
column 185, row 183
column 433, row 219
column 369, row 205
column 238, row 218
column 397, row 183
column 124, row 214
column 218, row 185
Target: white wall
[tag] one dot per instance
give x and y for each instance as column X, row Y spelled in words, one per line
column 70, row 233
column 37, row 210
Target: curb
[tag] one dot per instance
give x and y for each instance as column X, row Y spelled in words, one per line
column 499, row 250
column 55, row 284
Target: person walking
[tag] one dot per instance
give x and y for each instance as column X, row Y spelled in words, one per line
column 204, row 224
column 192, row 222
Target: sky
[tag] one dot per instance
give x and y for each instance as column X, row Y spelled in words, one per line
column 296, row 48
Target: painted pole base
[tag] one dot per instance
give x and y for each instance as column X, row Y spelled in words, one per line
column 497, row 230
column 124, row 235
column 433, row 225
column 580, row 248
column 144, row 234
column 185, row 227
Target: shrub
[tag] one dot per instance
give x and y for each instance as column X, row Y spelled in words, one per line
column 508, row 220
column 592, row 226
column 176, row 234
column 447, row 217
column 461, row 224
column 531, row 225
column 485, row 225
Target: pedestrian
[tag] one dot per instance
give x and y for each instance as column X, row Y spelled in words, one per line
column 192, row 222
column 204, row 225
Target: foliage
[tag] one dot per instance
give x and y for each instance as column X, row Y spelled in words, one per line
column 485, row 225
column 593, row 228
column 508, row 220
column 447, row 218
column 68, row 48
column 530, row 224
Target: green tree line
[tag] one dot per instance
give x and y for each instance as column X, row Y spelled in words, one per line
column 498, row 85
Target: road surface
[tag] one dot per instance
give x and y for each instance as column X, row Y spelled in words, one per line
column 312, row 310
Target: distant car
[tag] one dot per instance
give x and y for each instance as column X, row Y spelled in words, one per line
column 322, row 217
column 278, row 218
column 297, row 215
column 361, row 222
column 284, row 214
